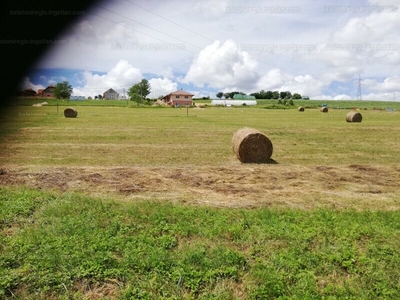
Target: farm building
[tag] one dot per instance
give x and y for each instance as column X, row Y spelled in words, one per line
column 110, row 94
column 233, row 102
column 27, row 93
column 47, row 92
column 178, row 98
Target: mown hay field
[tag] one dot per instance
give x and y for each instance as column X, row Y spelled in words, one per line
column 186, row 155
column 164, row 136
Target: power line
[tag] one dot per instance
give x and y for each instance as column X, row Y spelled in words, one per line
column 198, row 47
column 359, row 95
column 170, row 21
column 149, row 27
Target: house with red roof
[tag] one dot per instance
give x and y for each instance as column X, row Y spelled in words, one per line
column 47, row 92
column 178, row 98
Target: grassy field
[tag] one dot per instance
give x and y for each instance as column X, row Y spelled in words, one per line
column 73, row 247
column 260, row 103
column 151, row 203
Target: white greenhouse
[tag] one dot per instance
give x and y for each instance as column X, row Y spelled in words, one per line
column 233, row 102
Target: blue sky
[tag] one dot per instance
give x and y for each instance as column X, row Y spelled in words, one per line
column 315, row 48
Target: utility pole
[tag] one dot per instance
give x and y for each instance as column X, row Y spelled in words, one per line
column 359, row 95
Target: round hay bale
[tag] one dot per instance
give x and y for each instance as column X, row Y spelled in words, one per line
column 70, row 112
column 300, row 108
column 324, row 109
column 252, row 146
column 354, row 116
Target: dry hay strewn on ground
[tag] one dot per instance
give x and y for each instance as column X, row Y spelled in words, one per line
column 354, row 116
column 324, row 109
column 357, row 187
column 70, row 112
column 252, row 146
column 300, row 108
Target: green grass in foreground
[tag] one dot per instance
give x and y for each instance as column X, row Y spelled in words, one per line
column 72, row 247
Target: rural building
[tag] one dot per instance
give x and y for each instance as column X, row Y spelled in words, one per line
column 243, row 97
column 110, row 95
column 27, row 93
column 233, row 102
column 178, row 98
column 47, row 92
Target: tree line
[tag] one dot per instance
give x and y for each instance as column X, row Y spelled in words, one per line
column 262, row 95
column 138, row 92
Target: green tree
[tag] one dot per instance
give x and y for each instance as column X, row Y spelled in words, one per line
column 283, row 95
column 219, row 95
column 139, row 91
column 275, row 95
column 296, row 96
column 227, row 95
column 100, row 96
column 134, row 94
column 63, row 90
column 262, row 94
column 268, row 95
column 256, row 94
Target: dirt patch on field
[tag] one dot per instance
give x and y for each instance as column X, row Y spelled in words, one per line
column 353, row 186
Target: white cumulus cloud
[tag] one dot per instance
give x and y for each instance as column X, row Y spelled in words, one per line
column 162, row 87
column 223, row 66
column 279, row 80
column 120, row 77
column 27, row 84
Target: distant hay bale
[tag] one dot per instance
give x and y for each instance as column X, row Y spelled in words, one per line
column 37, row 105
column 300, row 108
column 324, row 109
column 70, row 112
column 252, row 146
column 354, row 116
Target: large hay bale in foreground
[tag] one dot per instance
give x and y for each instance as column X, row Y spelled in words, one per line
column 252, row 146
column 300, row 108
column 354, row 116
column 324, row 109
column 70, row 112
